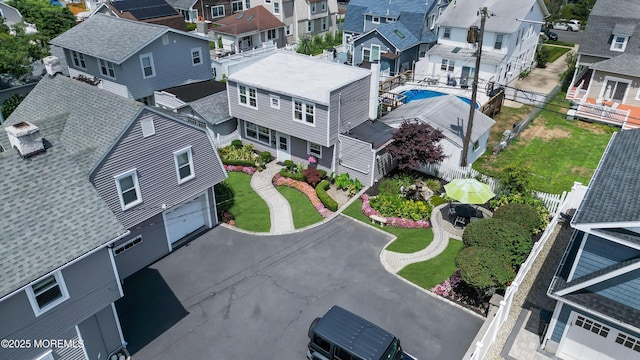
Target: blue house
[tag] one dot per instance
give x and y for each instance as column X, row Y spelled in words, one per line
column 394, row 33
column 597, row 285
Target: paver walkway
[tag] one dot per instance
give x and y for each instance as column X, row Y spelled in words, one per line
column 279, row 208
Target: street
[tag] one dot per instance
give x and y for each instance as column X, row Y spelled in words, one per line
column 572, row 37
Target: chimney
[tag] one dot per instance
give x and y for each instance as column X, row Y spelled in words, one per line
column 202, row 27
column 52, row 65
column 374, row 91
column 25, row 138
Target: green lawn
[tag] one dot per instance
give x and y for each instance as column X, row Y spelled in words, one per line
column 561, row 43
column 250, row 211
column 555, row 52
column 430, row 273
column 304, row 214
column 558, row 151
column 408, row 240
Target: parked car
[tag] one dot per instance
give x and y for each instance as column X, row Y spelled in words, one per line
column 549, row 34
column 568, row 25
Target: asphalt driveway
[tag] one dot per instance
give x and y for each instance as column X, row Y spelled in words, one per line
column 230, row 295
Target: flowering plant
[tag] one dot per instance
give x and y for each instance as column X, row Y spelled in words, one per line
column 245, row 169
column 312, row 159
column 306, row 189
column 447, row 287
column 367, row 210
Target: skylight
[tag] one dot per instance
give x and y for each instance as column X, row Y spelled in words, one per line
column 240, row 16
column 399, row 33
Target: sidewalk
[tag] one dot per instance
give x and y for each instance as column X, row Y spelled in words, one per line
column 279, row 208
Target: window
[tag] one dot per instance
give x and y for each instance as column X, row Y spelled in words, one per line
column 276, row 8
column 288, row 30
column 476, row 145
column 391, row 20
column 196, row 56
column 309, row 26
column 271, row 34
column 165, row 39
column 217, row 11
column 247, row 96
column 375, row 20
column 146, row 62
column 447, row 65
column 323, row 5
column 147, row 126
column 275, row 101
column 78, row 59
column 47, row 293
column 322, row 343
column 127, row 245
column 628, row 341
column 323, row 24
column 236, row 6
column 615, row 90
column 107, row 69
column 247, row 4
column 128, row 189
column 303, row 111
column 184, row 165
column 366, row 54
column 498, row 44
column 618, row 43
column 314, row 149
column 433, row 22
column 257, row 132
column 447, row 33
column 267, row 1
column 375, row 53
column 592, row 326
column 313, row 7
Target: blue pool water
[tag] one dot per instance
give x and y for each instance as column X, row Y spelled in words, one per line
column 426, row 94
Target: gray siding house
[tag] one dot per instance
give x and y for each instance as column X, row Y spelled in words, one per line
column 131, row 58
column 105, row 185
column 597, row 285
column 295, row 106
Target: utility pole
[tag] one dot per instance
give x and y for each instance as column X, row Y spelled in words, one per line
column 474, row 88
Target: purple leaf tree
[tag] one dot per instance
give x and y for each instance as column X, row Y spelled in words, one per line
column 416, row 143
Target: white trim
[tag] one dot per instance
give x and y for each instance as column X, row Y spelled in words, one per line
column 374, row 21
column 134, row 174
column 371, row 53
column 257, row 130
column 616, row 79
column 637, row 93
column 49, row 355
column 271, row 101
column 614, row 43
column 192, row 170
column 166, row 230
column 108, row 65
column 552, row 323
column 77, row 56
column 614, row 239
column 303, row 110
column 151, row 65
column 117, row 319
column 248, row 96
column 578, row 255
column 37, row 310
column 199, row 51
column 208, row 205
column 276, row 8
column 598, row 279
column 217, row 6
column 309, row 143
column 115, row 270
column 84, row 348
column 241, row 2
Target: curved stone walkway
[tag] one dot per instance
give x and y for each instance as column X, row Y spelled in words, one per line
column 279, row 208
column 443, row 230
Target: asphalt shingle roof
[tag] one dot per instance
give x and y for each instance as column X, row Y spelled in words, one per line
column 625, row 64
column 182, row 4
column 607, row 16
column 45, row 200
column 255, row 19
column 612, row 195
column 464, row 13
column 214, row 109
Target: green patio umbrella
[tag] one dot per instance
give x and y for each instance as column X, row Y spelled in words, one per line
column 469, row 191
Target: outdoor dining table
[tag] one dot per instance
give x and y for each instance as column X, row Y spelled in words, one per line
column 466, row 211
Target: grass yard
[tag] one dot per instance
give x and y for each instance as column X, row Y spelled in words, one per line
column 555, row 52
column 558, row 151
column 250, row 211
column 432, row 272
column 408, row 240
column 561, row 43
column 304, row 214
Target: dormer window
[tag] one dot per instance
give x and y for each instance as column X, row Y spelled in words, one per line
column 619, row 43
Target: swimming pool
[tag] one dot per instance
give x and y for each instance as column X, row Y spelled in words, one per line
column 418, row 94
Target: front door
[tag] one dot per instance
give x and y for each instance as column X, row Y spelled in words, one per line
column 464, row 77
column 284, row 147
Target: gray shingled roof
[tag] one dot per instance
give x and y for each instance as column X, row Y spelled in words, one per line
column 114, row 39
column 51, row 214
column 625, row 64
column 607, row 15
column 182, row 4
column 214, row 109
column 447, row 113
column 464, row 13
column 612, row 195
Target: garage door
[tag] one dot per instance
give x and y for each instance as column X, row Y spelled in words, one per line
column 588, row 339
column 183, row 219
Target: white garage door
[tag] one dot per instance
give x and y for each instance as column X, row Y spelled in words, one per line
column 183, row 219
column 588, row 339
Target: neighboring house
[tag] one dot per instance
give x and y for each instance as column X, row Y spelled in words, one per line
column 12, row 17
column 597, row 284
column 86, row 165
column 395, row 34
column 132, row 58
column 222, row 66
column 250, row 29
column 605, row 85
column 208, row 10
column 203, row 103
column 157, row 12
column 449, row 114
column 510, row 41
column 303, row 18
column 295, row 106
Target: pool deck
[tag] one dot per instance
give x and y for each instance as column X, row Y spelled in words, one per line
column 481, row 97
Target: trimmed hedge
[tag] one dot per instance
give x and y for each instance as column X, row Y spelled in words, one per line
column 296, row 176
column 239, row 163
column 523, row 214
column 236, row 143
column 327, row 200
column 265, row 157
column 483, row 269
column 502, row 237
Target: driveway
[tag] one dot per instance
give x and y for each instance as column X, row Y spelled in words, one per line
column 229, row 295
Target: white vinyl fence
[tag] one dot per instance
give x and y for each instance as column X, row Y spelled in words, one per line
column 551, row 201
column 222, row 140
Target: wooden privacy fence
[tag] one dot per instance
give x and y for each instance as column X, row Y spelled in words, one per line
column 446, row 172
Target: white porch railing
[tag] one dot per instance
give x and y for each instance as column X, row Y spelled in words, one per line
column 222, row 140
column 602, row 113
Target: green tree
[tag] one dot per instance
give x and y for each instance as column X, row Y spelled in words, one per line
column 51, row 20
column 511, row 240
column 484, row 270
column 11, row 104
column 516, row 178
column 18, row 51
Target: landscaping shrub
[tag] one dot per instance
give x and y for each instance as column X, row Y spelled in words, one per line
column 233, row 152
column 191, row 26
column 224, row 197
column 306, row 189
column 323, row 173
column 395, row 206
column 523, row 214
column 238, row 163
column 482, row 269
column 237, row 143
column 502, row 237
column 389, row 187
column 327, row 200
column 250, row 170
column 528, row 199
column 265, row 157
column 312, row 176
column 294, row 176
column 433, row 184
column 437, row 200
column 367, row 210
column 345, row 182
column 289, row 165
